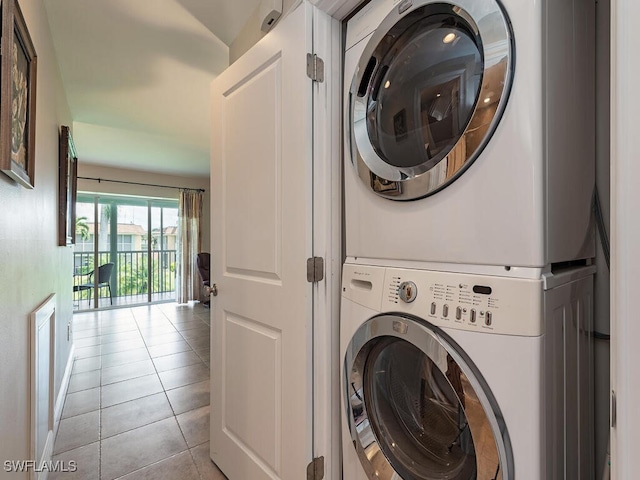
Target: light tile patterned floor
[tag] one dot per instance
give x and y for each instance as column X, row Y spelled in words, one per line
column 138, row 400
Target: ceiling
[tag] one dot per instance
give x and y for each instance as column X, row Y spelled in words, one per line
column 137, row 77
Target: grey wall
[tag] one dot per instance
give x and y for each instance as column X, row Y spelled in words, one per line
column 251, row 33
column 603, row 56
column 32, row 265
column 98, row 171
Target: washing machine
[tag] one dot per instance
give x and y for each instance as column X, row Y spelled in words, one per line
column 469, row 131
column 457, row 376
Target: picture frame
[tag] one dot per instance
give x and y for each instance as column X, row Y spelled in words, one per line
column 18, row 72
column 67, row 188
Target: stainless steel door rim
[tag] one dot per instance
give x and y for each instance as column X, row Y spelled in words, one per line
column 418, row 408
column 427, row 95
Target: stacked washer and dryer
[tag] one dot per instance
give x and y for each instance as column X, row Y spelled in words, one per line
column 467, row 290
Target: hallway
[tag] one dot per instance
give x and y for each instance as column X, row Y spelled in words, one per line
column 138, row 400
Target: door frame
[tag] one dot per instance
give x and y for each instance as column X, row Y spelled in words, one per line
column 327, row 243
column 625, row 238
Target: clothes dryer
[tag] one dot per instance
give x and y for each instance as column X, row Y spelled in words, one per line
column 469, row 131
column 451, row 376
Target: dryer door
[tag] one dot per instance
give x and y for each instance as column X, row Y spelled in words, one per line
column 427, row 94
column 418, row 409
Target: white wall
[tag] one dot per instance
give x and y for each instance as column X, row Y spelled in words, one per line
column 625, row 236
column 108, row 173
column 32, row 264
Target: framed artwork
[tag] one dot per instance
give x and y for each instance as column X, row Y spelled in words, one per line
column 67, row 188
column 17, row 97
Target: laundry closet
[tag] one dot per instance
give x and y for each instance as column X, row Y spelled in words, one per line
column 469, row 174
column 402, row 196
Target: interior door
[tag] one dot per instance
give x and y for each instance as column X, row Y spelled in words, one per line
column 261, row 190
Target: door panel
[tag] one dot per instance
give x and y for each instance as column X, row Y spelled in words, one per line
column 261, row 171
column 255, row 426
column 253, row 220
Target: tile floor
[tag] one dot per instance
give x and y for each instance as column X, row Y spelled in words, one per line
column 138, row 400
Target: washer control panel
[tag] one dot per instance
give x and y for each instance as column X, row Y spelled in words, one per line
column 490, row 304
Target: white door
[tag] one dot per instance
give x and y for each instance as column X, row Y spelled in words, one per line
column 261, row 191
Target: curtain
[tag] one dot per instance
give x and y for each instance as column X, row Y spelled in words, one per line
column 189, row 215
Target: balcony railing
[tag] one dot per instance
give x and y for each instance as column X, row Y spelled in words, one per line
column 130, row 281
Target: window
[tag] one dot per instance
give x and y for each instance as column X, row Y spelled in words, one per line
column 129, row 231
column 125, row 243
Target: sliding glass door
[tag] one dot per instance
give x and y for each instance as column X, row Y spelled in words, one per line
column 125, row 251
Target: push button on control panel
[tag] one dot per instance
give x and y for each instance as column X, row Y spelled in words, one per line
column 488, row 319
column 433, row 308
column 472, row 316
column 458, row 313
column 445, row 310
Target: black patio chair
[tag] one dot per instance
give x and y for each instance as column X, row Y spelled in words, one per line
column 104, row 279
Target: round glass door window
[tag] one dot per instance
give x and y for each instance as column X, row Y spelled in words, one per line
column 418, row 414
column 427, row 94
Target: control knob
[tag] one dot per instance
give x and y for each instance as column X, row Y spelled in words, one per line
column 407, row 292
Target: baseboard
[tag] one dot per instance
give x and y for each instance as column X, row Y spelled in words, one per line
column 62, row 393
column 47, row 455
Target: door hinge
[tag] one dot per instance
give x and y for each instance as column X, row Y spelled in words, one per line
column 315, row 470
column 315, row 68
column 315, row 269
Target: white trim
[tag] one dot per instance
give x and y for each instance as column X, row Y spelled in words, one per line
column 327, row 185
column 337, row 8
column 47, row 311
column 625, row 236
column 42, row 319
column 64, row 387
